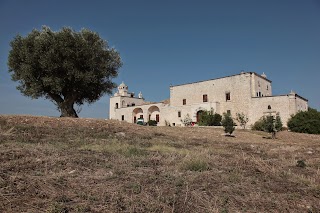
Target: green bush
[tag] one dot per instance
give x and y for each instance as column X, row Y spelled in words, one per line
column 208, row 118
column 305, row 122
column 152, row 123
column 228, row 123
column 268, row 124
column 259, row 125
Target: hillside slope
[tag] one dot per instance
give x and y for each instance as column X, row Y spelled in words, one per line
column 89, row 165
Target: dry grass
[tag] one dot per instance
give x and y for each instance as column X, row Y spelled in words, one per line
column 87, row 165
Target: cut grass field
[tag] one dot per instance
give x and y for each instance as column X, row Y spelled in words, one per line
column 88, row 165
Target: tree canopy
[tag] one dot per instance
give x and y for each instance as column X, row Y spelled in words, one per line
column 66, row 67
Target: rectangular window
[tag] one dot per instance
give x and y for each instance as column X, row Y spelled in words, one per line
column 141, row 116
column 205, row 98
column 228, row 96
column 179, row 114
column 157, row 118
column 229, row 112
column 184, row 102
column 122, row 117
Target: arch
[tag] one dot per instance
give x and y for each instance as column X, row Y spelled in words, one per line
column 199, row 112
column 137, row 113
column 154, row 113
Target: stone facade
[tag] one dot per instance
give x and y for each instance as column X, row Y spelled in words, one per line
column 247, row 92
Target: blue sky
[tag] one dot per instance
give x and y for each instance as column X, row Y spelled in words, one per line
column 174, row 42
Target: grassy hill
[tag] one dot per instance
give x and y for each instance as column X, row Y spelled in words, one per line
column 89, row 165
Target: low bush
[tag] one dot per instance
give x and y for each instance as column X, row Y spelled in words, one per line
column 305, row 122
column 152, row 123
column 208, row 118
column 268, row 124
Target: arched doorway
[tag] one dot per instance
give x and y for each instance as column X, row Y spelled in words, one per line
column 137, row 113
column 154, row 113
column 199, row 115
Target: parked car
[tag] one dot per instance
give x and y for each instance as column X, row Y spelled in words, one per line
column 140, row 121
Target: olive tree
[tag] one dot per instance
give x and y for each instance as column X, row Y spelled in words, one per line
column 66, row 67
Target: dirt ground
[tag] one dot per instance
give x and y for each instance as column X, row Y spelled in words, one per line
column 90, row 165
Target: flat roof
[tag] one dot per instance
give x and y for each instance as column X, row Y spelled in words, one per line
column 221, row 78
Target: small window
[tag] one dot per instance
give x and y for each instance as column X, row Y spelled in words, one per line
column 117, row 105
column 229, row 112
column 258, row 83
column 131, row 95
column 173, row 124
column 228, row 96
column 157, row 117
column 267, row 87
column 133, row 104
column 269, row 107
column 141, row 116
column 257, row 94
column 122, row 117
column 179, row 114
column 205, row 98
column 149, row 117
column 184, row 102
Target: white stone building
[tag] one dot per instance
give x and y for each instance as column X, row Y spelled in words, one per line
column 247, row 92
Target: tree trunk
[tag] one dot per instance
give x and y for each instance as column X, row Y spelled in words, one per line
column 67, row 110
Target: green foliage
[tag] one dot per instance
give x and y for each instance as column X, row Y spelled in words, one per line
column 278, row 123
column 242, row 119
column 208, row 118
column 65, row 66
column 187, row 121
column 228, row 123
column 259, row 125
column 305, row 122
column 268, row 124
column 152, row 123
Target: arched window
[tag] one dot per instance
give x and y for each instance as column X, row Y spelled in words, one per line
column 117, row 105
column 269, row 107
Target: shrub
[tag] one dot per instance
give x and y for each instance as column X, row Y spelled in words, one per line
column 187, row 121
column 305, row 122
column 228, row 123
column 259, row 125
column 152, row 123
column 242, row 119
column 278, row 123
column 208, row 118
column 268, row 124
